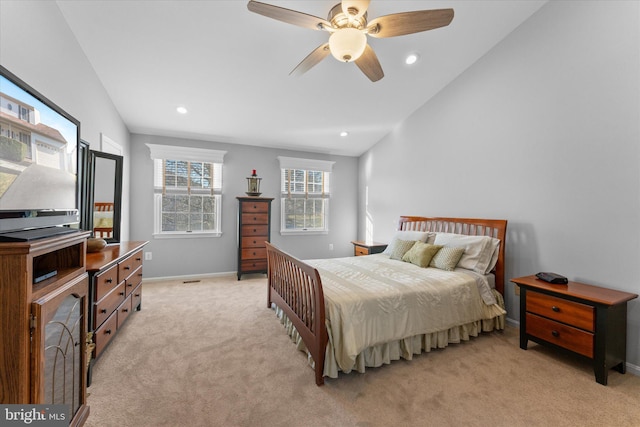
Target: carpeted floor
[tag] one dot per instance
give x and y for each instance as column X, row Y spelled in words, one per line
column 212, row 354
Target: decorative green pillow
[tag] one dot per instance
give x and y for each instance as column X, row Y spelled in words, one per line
column 420, row 254
column 447, row 258
column 401, row 247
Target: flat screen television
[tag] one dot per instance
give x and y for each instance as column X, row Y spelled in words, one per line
column 39, row 149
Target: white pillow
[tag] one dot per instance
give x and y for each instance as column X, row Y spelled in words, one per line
column 420, row 236
column 479, row 251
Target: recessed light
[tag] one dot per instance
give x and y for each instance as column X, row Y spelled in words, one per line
column 181, row 110
column 411, row 59
column 344, row 133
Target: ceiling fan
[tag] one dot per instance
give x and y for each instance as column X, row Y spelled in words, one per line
column 348, row 26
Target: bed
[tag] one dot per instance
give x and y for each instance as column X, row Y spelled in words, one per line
column 357, row 312
column 103, row 219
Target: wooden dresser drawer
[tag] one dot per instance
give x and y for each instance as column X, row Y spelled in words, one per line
column 108, row 304
column 565, row 336
column 105, row 333
column 253, row 241
column 254, row 253
column 256, row 230
column 254, row 265
column 259, row 218
column 133, row 281
column 105, row 282
column 130, row 264
column 124, row 310
column 255, row 207
column 573, row 313
column 136, row 297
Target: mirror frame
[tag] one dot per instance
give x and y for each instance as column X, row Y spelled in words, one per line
column 117, row 192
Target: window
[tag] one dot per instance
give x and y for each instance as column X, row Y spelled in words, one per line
column 305, row 193
column 187, row 186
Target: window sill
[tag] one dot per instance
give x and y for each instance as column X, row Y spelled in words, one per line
column 185, row 235
column 302, row 232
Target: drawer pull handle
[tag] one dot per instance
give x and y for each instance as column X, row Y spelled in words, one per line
column 125, row 310
column 254, row 230
column 120, row 293
column 104, row 310
column 127, row 267
column 555, row 333
column 129, row 284
column 556, row 309
column 138, row 259
column 109, row 280
column 108, row 332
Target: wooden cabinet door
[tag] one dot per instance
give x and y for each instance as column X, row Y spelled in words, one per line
column 59, row 333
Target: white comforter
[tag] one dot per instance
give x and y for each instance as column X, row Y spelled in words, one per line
column 372, row 300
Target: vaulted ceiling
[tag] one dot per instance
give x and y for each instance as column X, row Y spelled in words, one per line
column 230, row 68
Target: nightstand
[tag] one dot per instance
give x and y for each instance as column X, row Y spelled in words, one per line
column 587, row 320
column 367, row 248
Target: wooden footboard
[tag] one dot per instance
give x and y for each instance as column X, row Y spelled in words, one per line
column 296, row 288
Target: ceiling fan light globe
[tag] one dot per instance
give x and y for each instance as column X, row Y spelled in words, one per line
column 347, row 44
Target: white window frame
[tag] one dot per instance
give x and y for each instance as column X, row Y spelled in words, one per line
column 292, row 163
column 201, row 155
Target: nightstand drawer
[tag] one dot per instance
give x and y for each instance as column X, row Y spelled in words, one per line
column 565, row 336
column 359, row 250
column 573, row 313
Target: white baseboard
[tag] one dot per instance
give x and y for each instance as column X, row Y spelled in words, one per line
column 631, row 368
column 188, row 277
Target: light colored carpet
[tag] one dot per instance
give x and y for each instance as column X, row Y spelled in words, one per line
column 212, row 354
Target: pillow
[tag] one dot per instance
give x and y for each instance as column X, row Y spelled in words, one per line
column 420, row 254
column 400, row 248
column 447, row 258
column 420, row 236
column 480, row 252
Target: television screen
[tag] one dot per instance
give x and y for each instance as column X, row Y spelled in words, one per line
column 38, row 159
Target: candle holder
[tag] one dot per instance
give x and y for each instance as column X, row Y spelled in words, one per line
column 253, row 184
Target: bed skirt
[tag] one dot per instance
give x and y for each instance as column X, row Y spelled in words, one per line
column 384, row 354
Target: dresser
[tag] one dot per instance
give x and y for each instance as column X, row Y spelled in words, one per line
column 115, row 291
column 587, row 320
column 254, row 228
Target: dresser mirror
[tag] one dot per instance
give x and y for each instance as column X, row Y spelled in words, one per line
column 105, row 195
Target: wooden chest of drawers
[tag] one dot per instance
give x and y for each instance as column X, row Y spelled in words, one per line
column 115, row 291
column 587, row 320
column 254, row 228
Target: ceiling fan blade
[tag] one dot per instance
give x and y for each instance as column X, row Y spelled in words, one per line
column 289, row 16
column 369, row 64
column 356, row 8
column 311, row 60
column 400, row 24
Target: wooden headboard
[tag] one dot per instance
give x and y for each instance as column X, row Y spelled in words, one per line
column 496, row 228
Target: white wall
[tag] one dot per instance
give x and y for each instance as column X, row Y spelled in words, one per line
column 202, row 256
column 544, row 132
column 37, row 45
